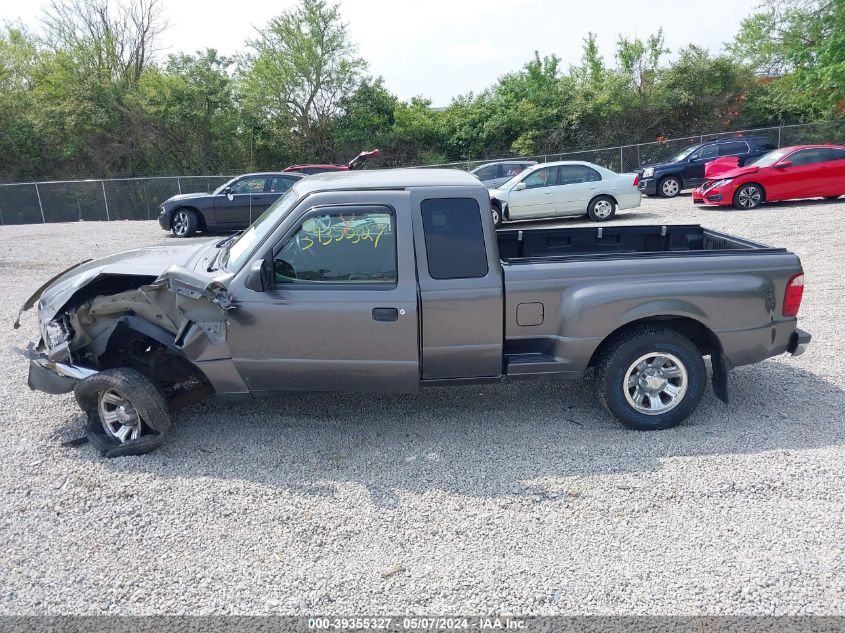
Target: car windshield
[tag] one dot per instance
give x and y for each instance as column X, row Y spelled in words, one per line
column 767, row 160
column 220, row 189
column 683, row 154
column 512, row 182
column 239, row 251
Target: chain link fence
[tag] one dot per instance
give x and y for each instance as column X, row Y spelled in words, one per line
column 627, row 158
column 90, row 200
column 139, row 198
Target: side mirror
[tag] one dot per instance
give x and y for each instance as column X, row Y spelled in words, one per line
column 259, row 276
column 784, row 164
column 520, row 186
column 228, row 192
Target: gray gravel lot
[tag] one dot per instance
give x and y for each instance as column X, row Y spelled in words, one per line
column 525, row 498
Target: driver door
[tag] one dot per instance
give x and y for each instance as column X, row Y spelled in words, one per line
column 341, row 314
column 247, row 202
column 694, row 170
column 538, row 198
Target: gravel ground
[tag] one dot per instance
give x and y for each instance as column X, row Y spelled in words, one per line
column 525, row 498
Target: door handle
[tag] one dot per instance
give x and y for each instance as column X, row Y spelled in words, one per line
column 256, row 197
column 385, row 314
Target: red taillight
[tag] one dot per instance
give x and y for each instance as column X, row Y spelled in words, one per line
column 793, row 294
column 636, row 180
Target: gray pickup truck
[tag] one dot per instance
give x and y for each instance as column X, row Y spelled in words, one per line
column 396, row 280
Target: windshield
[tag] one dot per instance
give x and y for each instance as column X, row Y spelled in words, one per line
column 767, row 160
column 512, row 182
column 682, row 154
column 220, row 189
column 240, row 250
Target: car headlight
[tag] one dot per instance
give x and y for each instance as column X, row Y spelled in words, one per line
column 648, row 172
column 721, row 183
column 54, row 333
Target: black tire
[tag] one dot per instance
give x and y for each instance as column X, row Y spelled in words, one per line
column 184, row 223
column 748, row 196
column 620, row 356
column 497, row 215
column 831, row 197
column 601, row 208
column 669, row 187
column 146, row 404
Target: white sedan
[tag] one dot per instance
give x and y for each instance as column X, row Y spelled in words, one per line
column 566, row 188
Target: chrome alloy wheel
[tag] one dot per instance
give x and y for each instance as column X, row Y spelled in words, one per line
column 655, row 383
column 748, row 197
column 180, row 223
column 119, row 418
column 603, row 209
column 496, row 217
column 670, row 188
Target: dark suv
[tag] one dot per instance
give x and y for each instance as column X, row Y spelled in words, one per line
column 685, row 170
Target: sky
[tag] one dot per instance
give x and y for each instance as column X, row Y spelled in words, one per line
column 443, row 48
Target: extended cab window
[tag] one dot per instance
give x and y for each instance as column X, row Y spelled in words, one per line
column 454, row 240
column 341, row 246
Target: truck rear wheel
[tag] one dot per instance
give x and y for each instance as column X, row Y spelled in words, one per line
column 650, row 377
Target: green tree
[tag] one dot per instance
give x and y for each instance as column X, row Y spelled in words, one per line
column 800, row 46
column 302, row 66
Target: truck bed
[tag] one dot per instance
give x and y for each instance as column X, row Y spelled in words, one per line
column 530, row 245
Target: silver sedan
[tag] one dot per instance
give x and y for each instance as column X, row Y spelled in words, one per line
column 566, row 188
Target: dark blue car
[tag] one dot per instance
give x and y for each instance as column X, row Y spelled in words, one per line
column 686, row 169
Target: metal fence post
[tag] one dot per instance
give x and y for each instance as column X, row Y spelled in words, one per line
column 40, row 206
column 780, row 132
column 620, row 160
column 179, row 184
column 105, row 200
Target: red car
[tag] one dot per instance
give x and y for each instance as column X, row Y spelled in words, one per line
column 355, row 163
column 805, row 171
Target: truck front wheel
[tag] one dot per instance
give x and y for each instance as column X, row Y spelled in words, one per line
column 127, row 413
column 650, row 377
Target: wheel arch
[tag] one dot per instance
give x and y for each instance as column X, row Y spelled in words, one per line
column 754, row 182
column 603, row 195
column 129, row 328
column 679, row 175
column 702, row 336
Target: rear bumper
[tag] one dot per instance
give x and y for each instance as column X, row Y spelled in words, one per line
column 798, row 342
column 748, row 346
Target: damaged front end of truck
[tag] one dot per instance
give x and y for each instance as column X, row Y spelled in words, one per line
column 129, row 345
